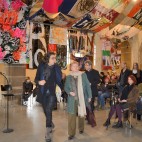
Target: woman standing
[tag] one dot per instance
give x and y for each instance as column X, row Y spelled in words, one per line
column 137, row 73
column 79, row 93
column 47, row 76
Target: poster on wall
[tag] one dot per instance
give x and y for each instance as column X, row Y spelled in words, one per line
column 12, row 31
column 106, row 54
column 111, row 55
column 58, row 35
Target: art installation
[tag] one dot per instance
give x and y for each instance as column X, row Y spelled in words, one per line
column 12, row 31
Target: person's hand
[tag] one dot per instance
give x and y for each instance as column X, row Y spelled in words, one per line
column 123, row 101
column 42, row 82
column 119, row 100
column 90, row 84
column 72, row 94
column 89, row 100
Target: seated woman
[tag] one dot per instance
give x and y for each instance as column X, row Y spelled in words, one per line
column 27, row 89
column 103, row 93
column 79, row 93
column 127, row 100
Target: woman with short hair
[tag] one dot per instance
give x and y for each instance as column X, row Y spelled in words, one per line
column 79, row 93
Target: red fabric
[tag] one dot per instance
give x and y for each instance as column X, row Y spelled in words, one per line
column 52, row 47
column 51, row 6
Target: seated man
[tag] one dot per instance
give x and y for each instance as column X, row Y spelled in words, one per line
column 103, row 93
column 27, row 89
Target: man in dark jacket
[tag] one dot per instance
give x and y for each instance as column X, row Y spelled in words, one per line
column 47, row 77
column 123, row 78
column 94, row 79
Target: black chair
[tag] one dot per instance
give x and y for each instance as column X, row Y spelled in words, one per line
column 7, row 88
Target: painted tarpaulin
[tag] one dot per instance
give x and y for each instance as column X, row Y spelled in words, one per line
column 64, row 21
column 124, row 30
column 38, row 41
column 117, row 5
column 12, row 31
column 58, row 35
column 136, row 13
column 81, row 7
column 115, row 58
column 61, row 57
column 52, row 48
column 106, row 54
column 98, row 19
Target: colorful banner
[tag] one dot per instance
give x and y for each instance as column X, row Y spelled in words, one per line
column 12, row 32
column 106, row 54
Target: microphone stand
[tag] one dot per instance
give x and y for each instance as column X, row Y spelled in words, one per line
column 7, row 88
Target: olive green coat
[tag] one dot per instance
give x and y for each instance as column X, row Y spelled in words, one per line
column 71, row 99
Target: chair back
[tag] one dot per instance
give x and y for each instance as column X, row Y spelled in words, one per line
column 140, row 89
column 6, row 87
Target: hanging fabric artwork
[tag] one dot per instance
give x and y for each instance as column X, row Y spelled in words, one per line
column 106, row 54
column 12, row 31
column 62, row 56
column 38, row 40
column 58, row 35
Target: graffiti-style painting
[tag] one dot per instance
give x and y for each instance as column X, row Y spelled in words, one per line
column 62, row 56
column 12, row 31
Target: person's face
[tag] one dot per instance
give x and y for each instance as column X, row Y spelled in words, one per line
column 130, row 81
column 135, row 66
column 74, row 67
column 52, row 60
column 123, row 65
column 106, row 80
column 63, row 76
column 87, row 67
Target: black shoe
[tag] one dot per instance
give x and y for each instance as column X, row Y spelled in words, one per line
column 55, row 108
column 80, row 132
column 107, row 123
column 70, row 137
column 48, row 140
column 118, row 125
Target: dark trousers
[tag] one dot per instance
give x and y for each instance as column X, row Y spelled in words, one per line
column 92, row 103
column 117, row 109
column 48, row 105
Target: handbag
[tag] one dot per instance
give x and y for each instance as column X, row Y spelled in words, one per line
column 40, row 96
column 124, row 106
column 90, row 116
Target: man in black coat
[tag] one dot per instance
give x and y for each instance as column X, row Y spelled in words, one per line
column 47, row 77
column 123, row 78
column 94, row 79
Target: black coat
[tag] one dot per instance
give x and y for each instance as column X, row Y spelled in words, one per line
column 127, row 73
column 94, row 78
column 40, row 76
column 139, row 79
column 27, row 87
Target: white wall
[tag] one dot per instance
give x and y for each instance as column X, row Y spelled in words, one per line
column 136, row 45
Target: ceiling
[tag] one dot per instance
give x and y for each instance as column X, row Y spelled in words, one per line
column 120, row 19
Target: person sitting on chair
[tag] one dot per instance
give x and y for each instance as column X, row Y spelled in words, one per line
column 103, row 92
column 27, row 89
column 127, row 100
